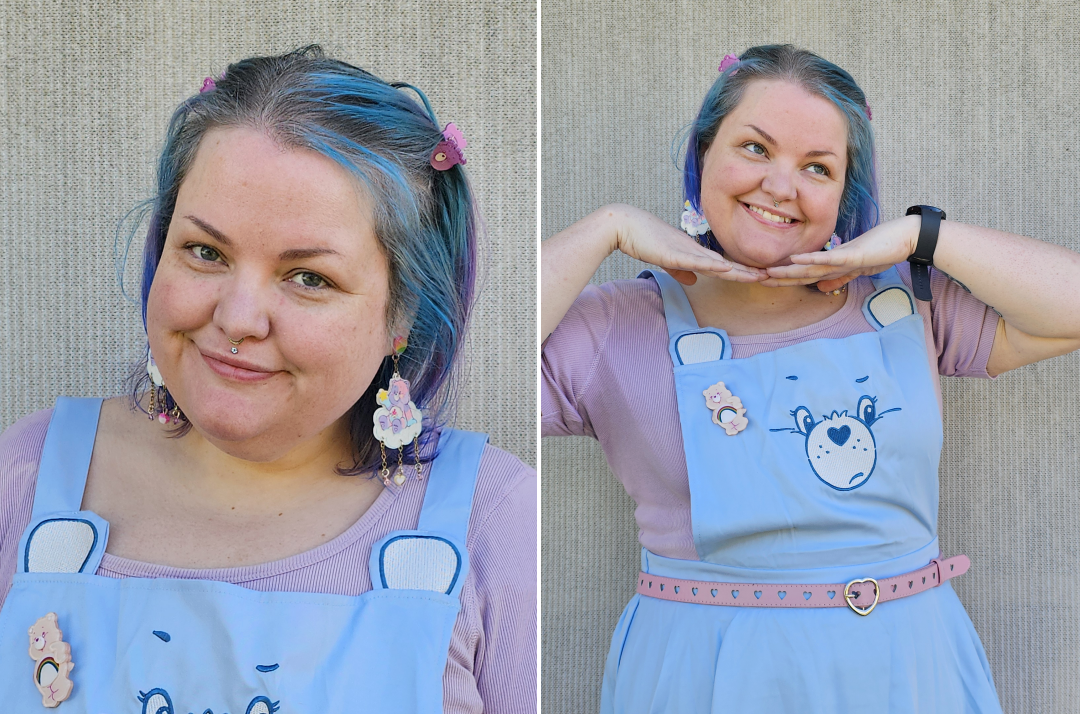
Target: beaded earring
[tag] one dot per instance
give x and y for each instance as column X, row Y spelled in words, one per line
column 159, row 395
column 397, row 421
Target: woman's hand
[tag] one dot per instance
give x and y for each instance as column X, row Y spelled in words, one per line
column 642, row 235
column 570, row 258
column 878, row 249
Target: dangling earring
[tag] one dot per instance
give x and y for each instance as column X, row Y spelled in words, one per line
column 397, row 421
column 159, row 395
column 835, row 242
column 692, row 222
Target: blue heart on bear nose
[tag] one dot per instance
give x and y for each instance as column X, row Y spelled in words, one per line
column 839, row 436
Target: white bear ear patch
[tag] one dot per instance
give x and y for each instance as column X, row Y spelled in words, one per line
column 61, row 545
column 890, row 305
column 420, row 563
column 699, row 347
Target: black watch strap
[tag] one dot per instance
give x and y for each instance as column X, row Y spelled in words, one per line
column 923, row 257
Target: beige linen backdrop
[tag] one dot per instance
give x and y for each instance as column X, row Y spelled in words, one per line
column 975, row 110
column 86, row 91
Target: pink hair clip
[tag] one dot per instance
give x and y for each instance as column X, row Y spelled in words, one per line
column 208, row 85
column 450, row 151
column 728, row 61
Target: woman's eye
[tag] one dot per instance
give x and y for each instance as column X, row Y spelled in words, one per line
column 309, row 280
column 754, row 147
column 205, row 252
column 818, row 169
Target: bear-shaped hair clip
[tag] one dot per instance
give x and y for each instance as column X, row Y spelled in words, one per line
column 52, row 661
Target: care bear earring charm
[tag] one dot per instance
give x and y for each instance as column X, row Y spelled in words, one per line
column 397, row 421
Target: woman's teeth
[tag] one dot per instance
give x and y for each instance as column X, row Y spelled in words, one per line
column 766, row 215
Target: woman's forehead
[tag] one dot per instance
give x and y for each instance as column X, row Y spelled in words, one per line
column 247, row 186
column 788, row 115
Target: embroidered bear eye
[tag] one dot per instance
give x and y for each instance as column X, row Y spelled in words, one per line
column 867, row 412
column 804, row 422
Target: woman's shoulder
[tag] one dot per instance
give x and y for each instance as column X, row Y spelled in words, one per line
column 21, row 445
column 20, row 453
column 622, row 306
column 505, row 493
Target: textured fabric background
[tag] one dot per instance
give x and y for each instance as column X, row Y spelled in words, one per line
column 976, row 109
column 86, row 90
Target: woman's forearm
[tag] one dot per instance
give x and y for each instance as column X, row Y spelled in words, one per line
column 1034, row 285
column 568, row 260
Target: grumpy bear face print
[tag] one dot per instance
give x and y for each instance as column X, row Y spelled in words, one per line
column 840, row 448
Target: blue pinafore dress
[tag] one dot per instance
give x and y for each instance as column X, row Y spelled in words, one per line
column 174, row 646
column 833, row 477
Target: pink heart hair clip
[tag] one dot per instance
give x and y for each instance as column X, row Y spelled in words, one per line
column 450, row 151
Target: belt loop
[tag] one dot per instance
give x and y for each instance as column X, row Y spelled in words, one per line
column 937, row 566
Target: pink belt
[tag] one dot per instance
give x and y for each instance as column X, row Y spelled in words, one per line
column 862, row 594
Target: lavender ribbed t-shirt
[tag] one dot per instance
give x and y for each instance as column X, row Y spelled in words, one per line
column 492, row 661
column 606, row 373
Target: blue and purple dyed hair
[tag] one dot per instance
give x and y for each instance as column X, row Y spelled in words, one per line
column 424, row 218
column 859, row 210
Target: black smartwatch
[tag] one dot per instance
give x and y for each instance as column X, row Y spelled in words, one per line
column 923, row 257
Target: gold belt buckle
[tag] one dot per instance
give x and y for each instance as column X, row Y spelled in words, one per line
column 849, row 596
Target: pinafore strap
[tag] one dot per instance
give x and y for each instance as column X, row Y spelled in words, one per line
column 688, row 342
column 65, row 458
column 890, row 301
column 677, row 310
column 451, row 483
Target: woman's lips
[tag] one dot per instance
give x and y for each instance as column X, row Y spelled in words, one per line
column 764, row 221
column 237, row 370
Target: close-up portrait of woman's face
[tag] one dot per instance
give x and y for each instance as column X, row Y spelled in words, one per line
column 781, row 144
column 254, row 433
column 277, row 247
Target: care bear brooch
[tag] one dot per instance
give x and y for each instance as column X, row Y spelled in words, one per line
column 52, row 661
column 841, row 448
column 727, row 409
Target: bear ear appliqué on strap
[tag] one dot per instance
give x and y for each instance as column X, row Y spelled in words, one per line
column 698, row 347
column 419, row 562
column 889, row 305
column 62, row 545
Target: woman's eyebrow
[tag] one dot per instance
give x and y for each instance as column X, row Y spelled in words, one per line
column 284, row 256
column 809, row 154
column 210, row 230
column 764, row 134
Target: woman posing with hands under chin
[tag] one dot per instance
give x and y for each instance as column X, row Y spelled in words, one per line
column 773, row 407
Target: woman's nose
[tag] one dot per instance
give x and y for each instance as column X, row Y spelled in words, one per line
column 242, row 309
column 779, row 182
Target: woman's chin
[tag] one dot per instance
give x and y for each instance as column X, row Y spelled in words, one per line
column 238, row 427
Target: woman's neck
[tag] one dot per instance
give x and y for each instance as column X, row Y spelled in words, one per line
column 754, row 309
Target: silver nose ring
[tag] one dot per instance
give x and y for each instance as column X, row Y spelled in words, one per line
column 234, row 344
column 775, row 204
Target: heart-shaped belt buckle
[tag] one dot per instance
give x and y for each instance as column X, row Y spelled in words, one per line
column 850, row 596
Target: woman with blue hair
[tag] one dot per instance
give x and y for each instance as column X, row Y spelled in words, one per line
column 279, row 517
column 770, row 401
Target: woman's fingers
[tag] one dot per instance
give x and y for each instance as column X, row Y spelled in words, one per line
column 709, row 263
column 814, row 274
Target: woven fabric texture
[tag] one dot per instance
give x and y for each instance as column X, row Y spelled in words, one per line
column 86, row 90
column 976, row 108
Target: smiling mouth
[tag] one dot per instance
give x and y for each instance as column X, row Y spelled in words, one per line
column 769, row 217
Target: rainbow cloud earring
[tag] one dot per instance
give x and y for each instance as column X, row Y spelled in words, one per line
column 397, row 421
column 159, row 395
